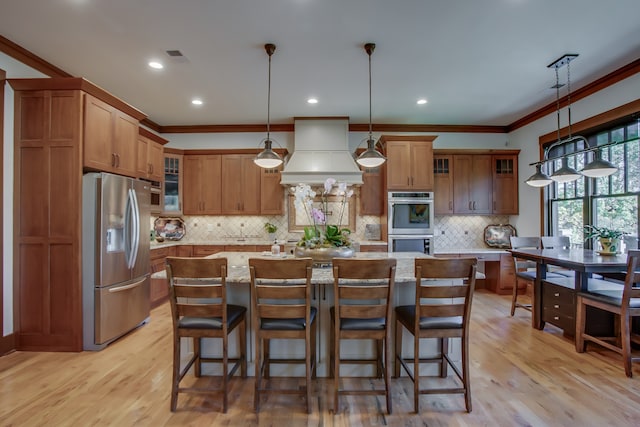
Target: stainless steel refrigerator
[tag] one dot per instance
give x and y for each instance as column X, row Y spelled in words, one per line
column 115, row 257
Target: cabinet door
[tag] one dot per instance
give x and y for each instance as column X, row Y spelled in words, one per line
column 191, row 197
column 155, row 157
column 443, row 184
column 505, row 184
column 125, row 143
column 271, row 192
column 481, row 184
column 462, row 203
column 210, row 185
column 98, row 134
column 232, row 178
column 142, row 161
column 371, row 191
column 422, row 166
column 398, row 165
column 173, row 183
column 250, row 195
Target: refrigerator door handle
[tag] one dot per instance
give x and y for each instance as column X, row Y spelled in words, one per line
column 135, row 229
column 125, row 287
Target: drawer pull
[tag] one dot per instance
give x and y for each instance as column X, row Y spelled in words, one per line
column 557, row 294
column 556, row 318
column 556, row 306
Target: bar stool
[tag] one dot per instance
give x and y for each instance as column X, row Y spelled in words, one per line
column 441, row 311
column 281, row 304
column 624, row 303
column 199, row 310
column 355, row 281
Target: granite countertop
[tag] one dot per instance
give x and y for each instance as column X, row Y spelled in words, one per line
column 238, row 262
column 245, row 242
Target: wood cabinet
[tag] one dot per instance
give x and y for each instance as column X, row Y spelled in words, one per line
column 443, row 184
column 559, row 304
column 202, row 175
column 51, row 125
column 372, row 191
column 501, row 276
column 173, row 183
column 150, row 158
column 409, row 163
column 110, row 138
column 159, row 291
column 476, row 182
column 241, row 185
column 184, row 250
column 204, row 250
column 505, row 184
column 472, row 185
column 271, row 192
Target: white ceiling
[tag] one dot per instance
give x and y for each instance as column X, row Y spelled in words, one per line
column 477, row 62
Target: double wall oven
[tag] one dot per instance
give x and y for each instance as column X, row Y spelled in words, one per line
column 410, row 221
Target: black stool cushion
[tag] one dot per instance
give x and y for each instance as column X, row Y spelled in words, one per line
column 359, row 324
column 408, row 314
column 287, row 324
column 234, row 312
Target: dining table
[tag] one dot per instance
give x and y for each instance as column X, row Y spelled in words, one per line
column 554, row 299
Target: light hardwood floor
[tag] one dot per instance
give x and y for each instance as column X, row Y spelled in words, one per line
column 519, row 377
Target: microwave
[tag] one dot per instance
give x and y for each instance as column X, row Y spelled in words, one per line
column 410, row 213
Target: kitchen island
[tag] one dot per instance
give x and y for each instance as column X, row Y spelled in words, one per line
column 238, row 281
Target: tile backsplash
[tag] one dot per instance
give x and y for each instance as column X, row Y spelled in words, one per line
column 451, row 232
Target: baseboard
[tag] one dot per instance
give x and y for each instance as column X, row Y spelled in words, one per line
column 7, row 344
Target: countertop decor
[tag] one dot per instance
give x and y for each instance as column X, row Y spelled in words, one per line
column 169, row 228
column 497, row 236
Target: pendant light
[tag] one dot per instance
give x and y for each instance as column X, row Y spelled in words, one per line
column 599, row 167
column 539, row 179
column 268, row 158
column 370, row 158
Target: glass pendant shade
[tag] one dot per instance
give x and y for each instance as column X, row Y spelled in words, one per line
column 599, row 167
column 565, row 173
column 268, row 158
column 371, row 158
column 539, row 179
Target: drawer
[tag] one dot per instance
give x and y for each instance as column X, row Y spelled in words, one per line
column 161, row 252
column 560, row 319
column 553, row 294
column 204, row 250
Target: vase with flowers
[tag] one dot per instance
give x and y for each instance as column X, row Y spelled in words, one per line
column 321, row 240
column 609, row 238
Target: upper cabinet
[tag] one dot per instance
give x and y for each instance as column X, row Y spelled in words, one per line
column 202, row 174
column 505, row 184
column 472, row 191
column 150, row 159
column 271, row 192
column 474, row 182
column 372, row 191
column 241, row 178
column 173, row 183
column 110, row 138
column 409, row 162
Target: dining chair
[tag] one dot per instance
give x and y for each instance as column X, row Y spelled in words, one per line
column 624, row 303
column 525, row 270
column 363, row 292
column 281, row 309
column 199, row 310
column 557, row 242
column 444, row 292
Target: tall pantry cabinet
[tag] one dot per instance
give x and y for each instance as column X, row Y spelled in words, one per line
column 52, row 132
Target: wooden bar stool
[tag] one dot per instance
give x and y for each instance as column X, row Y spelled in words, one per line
column 281, row 305
column 441, row 311
column 362, row 310
column 199, row 310
column 624, row 303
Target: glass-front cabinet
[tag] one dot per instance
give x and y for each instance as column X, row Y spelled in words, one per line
column 173, row 183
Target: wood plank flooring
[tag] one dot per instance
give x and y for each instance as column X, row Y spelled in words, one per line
column 519, row 377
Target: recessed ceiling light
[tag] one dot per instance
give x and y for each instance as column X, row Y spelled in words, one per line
column 196, row 101
column 421, row 101
column 156, row 65
column 312, row 100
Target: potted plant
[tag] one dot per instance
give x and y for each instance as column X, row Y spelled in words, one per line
column 271, row 229
column 609, row 238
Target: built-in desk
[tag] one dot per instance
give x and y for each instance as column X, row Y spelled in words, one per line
column 554, row 300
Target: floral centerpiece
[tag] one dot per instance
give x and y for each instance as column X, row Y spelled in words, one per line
column 321, row 240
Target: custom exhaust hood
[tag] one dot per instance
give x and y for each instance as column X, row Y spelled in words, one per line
column 321, row 151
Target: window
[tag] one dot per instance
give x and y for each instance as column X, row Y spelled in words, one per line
column 606, row 202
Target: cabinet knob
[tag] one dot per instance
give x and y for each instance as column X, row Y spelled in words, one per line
column 556, row 306
column 557, row 294
column 556, row 318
